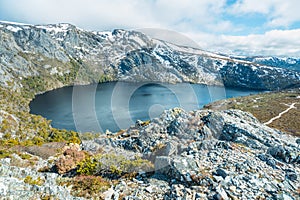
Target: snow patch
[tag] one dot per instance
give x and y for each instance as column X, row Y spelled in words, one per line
column 265, row 71
column 291, row 61
column 53, row 71
column 138, row 40
column 13, row 29
column 253, row 67
column 60, row 28
column 263, row 58
column 105, row 34
column 14, row 23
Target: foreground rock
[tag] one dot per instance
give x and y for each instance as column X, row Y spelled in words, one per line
column 24, row 183
column 212, row 155
column 201, row 154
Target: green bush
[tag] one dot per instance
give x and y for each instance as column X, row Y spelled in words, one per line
column 113, row 166
column 89, row 187
column 88, row 166
column 5, row 154
column 29, row 180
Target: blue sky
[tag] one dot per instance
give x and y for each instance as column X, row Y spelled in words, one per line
column 256, row 27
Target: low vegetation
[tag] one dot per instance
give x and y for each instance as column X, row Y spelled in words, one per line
column 113, row 166
column 265, row 106
column 38, row 181
column 98, row 173
column 87, row 186
column 20, row 128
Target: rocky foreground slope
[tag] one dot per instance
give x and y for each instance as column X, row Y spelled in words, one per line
column 201, row 154
column 64, row 54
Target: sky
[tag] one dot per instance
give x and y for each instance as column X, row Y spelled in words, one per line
column 238, row 27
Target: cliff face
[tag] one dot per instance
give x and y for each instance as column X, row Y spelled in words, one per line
column 62, row 54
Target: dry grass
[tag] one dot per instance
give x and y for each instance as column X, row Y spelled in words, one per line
column 266, row 106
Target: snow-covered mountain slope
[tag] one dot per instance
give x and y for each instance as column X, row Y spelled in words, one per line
column 61, row 54
column 283, row 62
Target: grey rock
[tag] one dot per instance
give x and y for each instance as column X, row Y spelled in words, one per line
column 284, row 197
column 291, row 175
column 13, row 185
column 284, row 153
column 221, row 172
column 221, row 194
column 177, row 167
column 149, row 189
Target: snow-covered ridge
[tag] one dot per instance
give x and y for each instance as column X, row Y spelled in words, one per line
column 130, row 55
column 55, row 28
column 15, row 23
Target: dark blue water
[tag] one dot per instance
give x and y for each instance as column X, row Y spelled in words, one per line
column 117, row 105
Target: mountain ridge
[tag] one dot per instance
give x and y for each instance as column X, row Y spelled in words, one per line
column 76, row 56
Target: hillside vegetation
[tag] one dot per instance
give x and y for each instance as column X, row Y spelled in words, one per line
column 266, row 106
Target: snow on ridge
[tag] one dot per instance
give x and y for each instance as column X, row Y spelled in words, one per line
column 15, row 23
column 56, row 28
column 13, row 28
column 104, row 33
column 263, row 58
column 288, row 60
column 191, row 50
column 138, row 40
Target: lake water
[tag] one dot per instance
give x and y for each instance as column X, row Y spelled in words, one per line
column 117, row 105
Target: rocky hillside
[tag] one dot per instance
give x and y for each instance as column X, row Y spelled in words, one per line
column 50, row 56
column 201, row 154
column 282, row 62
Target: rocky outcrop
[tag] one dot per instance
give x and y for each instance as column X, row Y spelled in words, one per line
column 201, row 154
column 13, row 184
column 62, row 54
column 212, row 155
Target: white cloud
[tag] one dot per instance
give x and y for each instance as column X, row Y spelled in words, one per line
column 275, row 42
column 279, row 13
column 253, row 6
column 108, row 14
